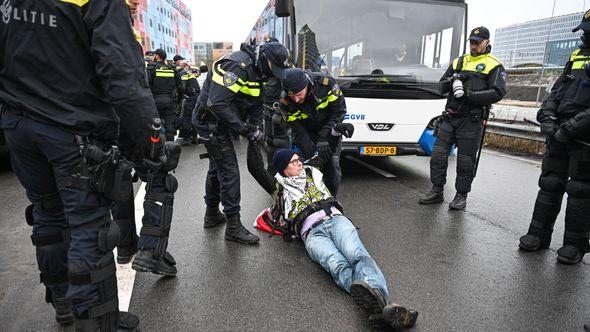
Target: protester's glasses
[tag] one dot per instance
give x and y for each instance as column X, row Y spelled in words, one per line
column 296, row 161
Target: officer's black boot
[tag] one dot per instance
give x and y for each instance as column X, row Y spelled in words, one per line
column 569, row 255
column 124, row 255
column 435, row 195
column 234, row 231
column 146, row 262
column 213, row 217
column 538, row 236
column 63, row 309
column 575, row 245
column 128, row 322
column 459, row 202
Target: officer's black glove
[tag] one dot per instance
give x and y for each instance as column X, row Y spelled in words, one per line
column 172, row 151
column 151, row 164
column 549, row 128
column 345, row 129
column 561, row 136
column 323, row 146
column 255, row 135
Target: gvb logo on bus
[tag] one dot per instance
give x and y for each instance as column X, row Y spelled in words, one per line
column 11, row 13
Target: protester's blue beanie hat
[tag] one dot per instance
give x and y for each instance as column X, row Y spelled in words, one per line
column 281, row 159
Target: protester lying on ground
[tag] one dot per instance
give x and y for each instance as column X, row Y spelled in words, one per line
column 305, row 208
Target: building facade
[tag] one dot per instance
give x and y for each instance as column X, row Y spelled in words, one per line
column 524, row 43
column 267, row 26
column 165, row 24
column 208, row 53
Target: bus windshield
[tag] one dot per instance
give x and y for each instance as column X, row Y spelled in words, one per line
column 352, row 38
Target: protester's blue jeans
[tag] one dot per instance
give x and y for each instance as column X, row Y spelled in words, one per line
column 336, row 246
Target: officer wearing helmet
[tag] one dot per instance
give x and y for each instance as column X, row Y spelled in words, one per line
column 565, row 120
column 230, row 104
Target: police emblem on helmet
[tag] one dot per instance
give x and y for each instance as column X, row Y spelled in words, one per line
column 229, row 78
column 476, row 32
column 480, row 67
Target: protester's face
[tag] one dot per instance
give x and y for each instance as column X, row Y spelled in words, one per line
column 478, row 47
column 295, row 167
column 299, row 97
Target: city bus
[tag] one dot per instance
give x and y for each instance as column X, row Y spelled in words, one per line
column 386, row 55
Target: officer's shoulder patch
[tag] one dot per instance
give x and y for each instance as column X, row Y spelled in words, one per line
column 336, row 90
column 326, row 81
column 229, row 78
column 480, row 67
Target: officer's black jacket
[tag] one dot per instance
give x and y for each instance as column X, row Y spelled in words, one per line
column 232, row 91
column 271, row 91
column 569, row 100
column 484, row 81
column 75, row 64
column 165, row 80
column 311, row 121
column 190, row 85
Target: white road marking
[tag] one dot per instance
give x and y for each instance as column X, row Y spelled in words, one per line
column 125, row 274
column 536, row 162
column 371, row 167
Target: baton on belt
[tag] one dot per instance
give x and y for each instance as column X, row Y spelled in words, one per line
column 155, row 138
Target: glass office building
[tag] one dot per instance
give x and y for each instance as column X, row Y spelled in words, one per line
column 524, row 43
column 165, row 24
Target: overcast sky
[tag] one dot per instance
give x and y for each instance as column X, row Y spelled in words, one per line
column 231, row 20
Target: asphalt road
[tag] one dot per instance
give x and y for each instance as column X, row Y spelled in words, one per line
column 461, row 270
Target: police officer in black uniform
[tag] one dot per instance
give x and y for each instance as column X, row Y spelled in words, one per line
column 315, row 105
column 90, row 88
column 191, row 94
column 565, row 119
column 166, row 85
column 474, row 82
column 230, row 98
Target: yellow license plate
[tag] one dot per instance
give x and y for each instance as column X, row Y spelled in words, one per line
column 379, row 150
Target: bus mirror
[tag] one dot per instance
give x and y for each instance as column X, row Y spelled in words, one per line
column 283, row 8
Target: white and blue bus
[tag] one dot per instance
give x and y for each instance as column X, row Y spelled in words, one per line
column 387, row 56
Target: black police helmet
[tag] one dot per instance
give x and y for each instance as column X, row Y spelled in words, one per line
column 585, row 24
column 479, row 34
column 160, row 53
column 278, row 56
column 295, row 80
